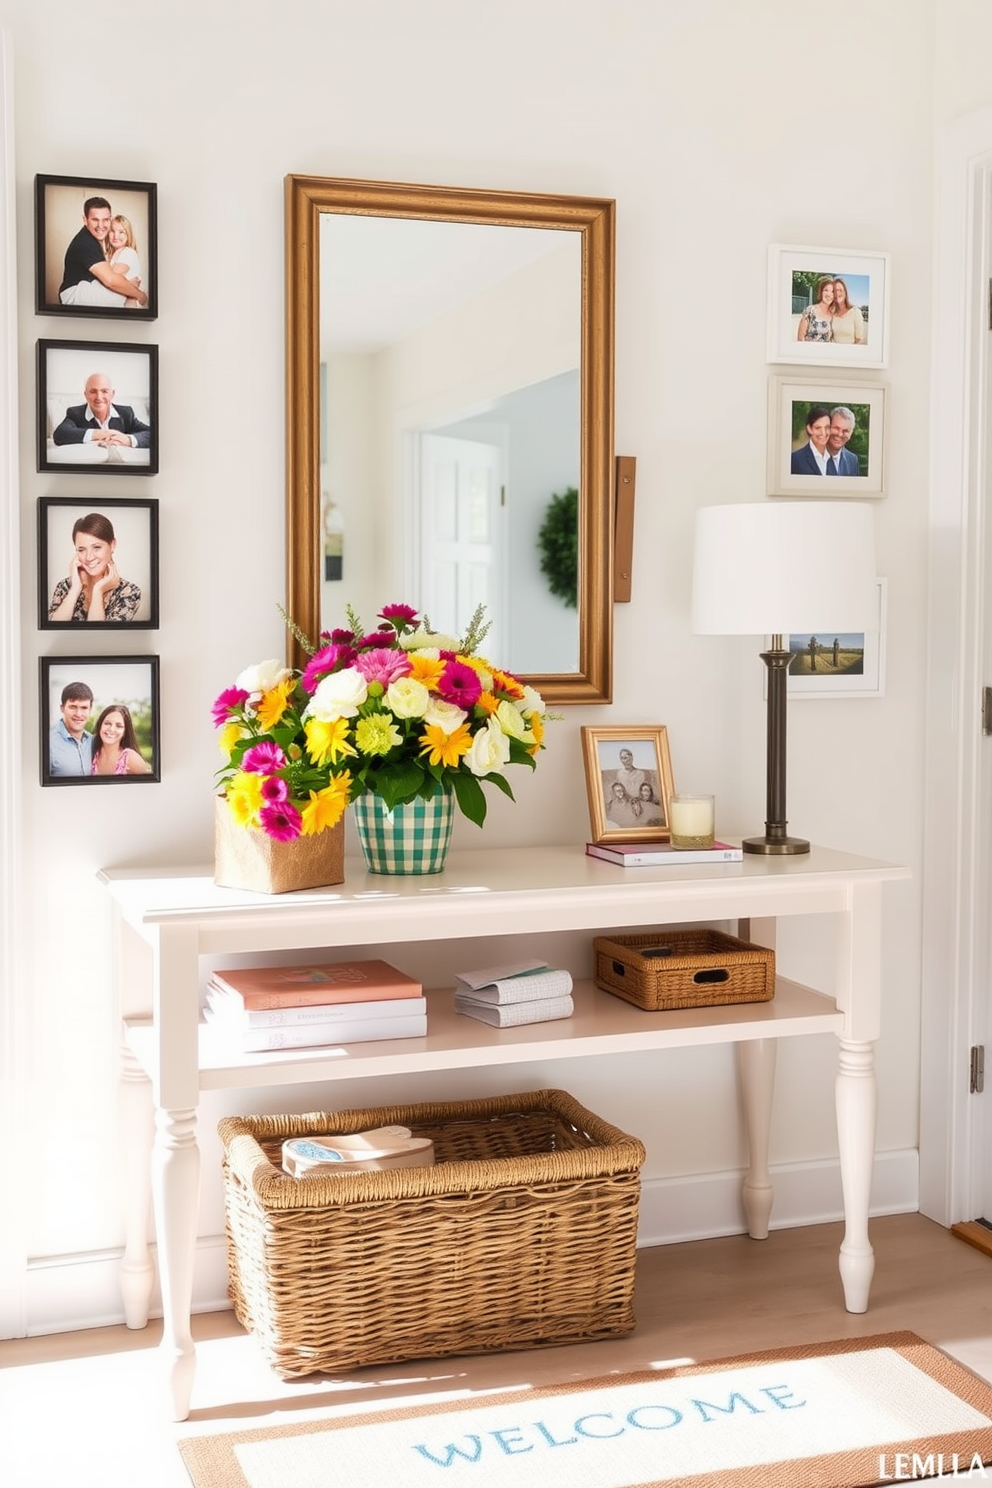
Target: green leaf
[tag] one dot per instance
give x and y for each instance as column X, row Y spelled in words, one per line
column 470, row 796
column 397, row 783
column 503, row 784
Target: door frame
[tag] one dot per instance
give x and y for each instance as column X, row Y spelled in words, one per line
column 955, row 881
column 13, row 1021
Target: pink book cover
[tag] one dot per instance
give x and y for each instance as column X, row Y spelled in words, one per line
column 261, row 987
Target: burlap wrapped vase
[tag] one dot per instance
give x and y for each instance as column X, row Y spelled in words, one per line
column 247, row 858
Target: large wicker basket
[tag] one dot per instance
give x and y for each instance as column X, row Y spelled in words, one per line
column 688, row 968
column 522, row 1233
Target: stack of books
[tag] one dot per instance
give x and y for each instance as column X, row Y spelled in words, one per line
column 300, row 1007
column 505, row 996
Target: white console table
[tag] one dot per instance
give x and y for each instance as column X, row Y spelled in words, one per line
column 165, row 921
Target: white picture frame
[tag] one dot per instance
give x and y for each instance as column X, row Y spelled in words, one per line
column 866, row 275
column 790, row 400
column 829, row 682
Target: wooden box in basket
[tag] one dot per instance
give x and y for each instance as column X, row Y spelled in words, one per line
column 684, row 969
column 522, row 1233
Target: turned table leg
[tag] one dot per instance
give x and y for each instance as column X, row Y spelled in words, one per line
column 756, row 1063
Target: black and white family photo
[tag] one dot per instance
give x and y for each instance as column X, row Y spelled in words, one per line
column 629, row 782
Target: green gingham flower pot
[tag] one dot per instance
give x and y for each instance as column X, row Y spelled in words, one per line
column 409, row 839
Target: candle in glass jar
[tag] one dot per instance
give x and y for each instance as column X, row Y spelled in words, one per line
column 691, row 821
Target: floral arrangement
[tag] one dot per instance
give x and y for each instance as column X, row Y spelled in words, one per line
column 401, row 711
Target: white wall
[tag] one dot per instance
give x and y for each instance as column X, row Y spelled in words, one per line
column 705, row 124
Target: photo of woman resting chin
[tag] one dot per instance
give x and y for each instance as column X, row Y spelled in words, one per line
column 94, row 588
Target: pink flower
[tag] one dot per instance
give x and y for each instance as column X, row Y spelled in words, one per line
column 383, row 665
column 340, row 637
column 401, row 617
column 274, row 790
column 262, row 758
column 459, row 684
column 328, row 659
column 282, row 822
column 230, row 698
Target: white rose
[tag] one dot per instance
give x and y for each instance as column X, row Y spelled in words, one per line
column 490, row 750
column 532, row 702
column 511, row 722
column 262, row 677
column 428, row 642
column 339, row 695
column 407, row 698
column 446, row 716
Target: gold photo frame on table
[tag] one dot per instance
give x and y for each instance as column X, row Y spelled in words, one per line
column 628, row 781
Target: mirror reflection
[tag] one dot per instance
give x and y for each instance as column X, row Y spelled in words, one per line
column 456, row 350
column 450, row 367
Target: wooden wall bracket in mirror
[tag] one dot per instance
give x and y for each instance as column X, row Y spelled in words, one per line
column 449, row 392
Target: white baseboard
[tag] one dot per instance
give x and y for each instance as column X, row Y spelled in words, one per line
column 64, row 1293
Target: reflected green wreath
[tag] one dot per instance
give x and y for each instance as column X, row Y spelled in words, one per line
column 558, row 541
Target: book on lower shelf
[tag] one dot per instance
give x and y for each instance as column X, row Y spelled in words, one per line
column 656, row 854
column 513, row 1014
column 318, row 984
column 356, row 1028
column 501, row 985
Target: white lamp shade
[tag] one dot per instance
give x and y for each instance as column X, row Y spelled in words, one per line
column 781, row 567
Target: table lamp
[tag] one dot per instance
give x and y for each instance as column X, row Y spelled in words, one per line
column 778, row 569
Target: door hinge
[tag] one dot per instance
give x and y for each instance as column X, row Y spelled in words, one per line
column 987, row 710
column 976, row 1082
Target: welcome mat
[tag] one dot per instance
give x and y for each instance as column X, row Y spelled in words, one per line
column 848, row 1414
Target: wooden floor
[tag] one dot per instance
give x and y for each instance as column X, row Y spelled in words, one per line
column 85, row 1410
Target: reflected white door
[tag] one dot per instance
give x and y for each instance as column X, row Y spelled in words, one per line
column 461, row 531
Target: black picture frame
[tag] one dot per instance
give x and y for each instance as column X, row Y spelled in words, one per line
column 64, row 370
column 131, row 682
column 59, row 217
column 134, row 524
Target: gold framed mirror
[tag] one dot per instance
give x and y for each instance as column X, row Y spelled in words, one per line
column 449, row 390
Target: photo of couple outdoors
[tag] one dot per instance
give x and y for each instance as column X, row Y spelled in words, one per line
column 827, row 309
column 102, row 267
column 632, row 794
column 92, row 739
column 829, row 440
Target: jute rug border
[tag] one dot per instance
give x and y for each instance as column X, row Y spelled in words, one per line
column 211, row 1462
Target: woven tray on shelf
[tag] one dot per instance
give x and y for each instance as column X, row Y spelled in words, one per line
column 522, row 1233
column 693, row 968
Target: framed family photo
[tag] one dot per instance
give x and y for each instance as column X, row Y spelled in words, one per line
column 97, row 563
column 826, row 439
column 98, row 407
column 96, row 249
column 839, row 664
column 99, row 720
column 828, row 306
column 629, row 782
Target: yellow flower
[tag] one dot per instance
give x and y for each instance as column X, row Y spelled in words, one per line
column 326, row 807
column 377, row 734
column 426, row 669
column 507, row 684
column 244, row 796
column 273, row 704
column 328, row 741
column 536, row 725
column 229, row 736
column 445, row 749
column 487, row 703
